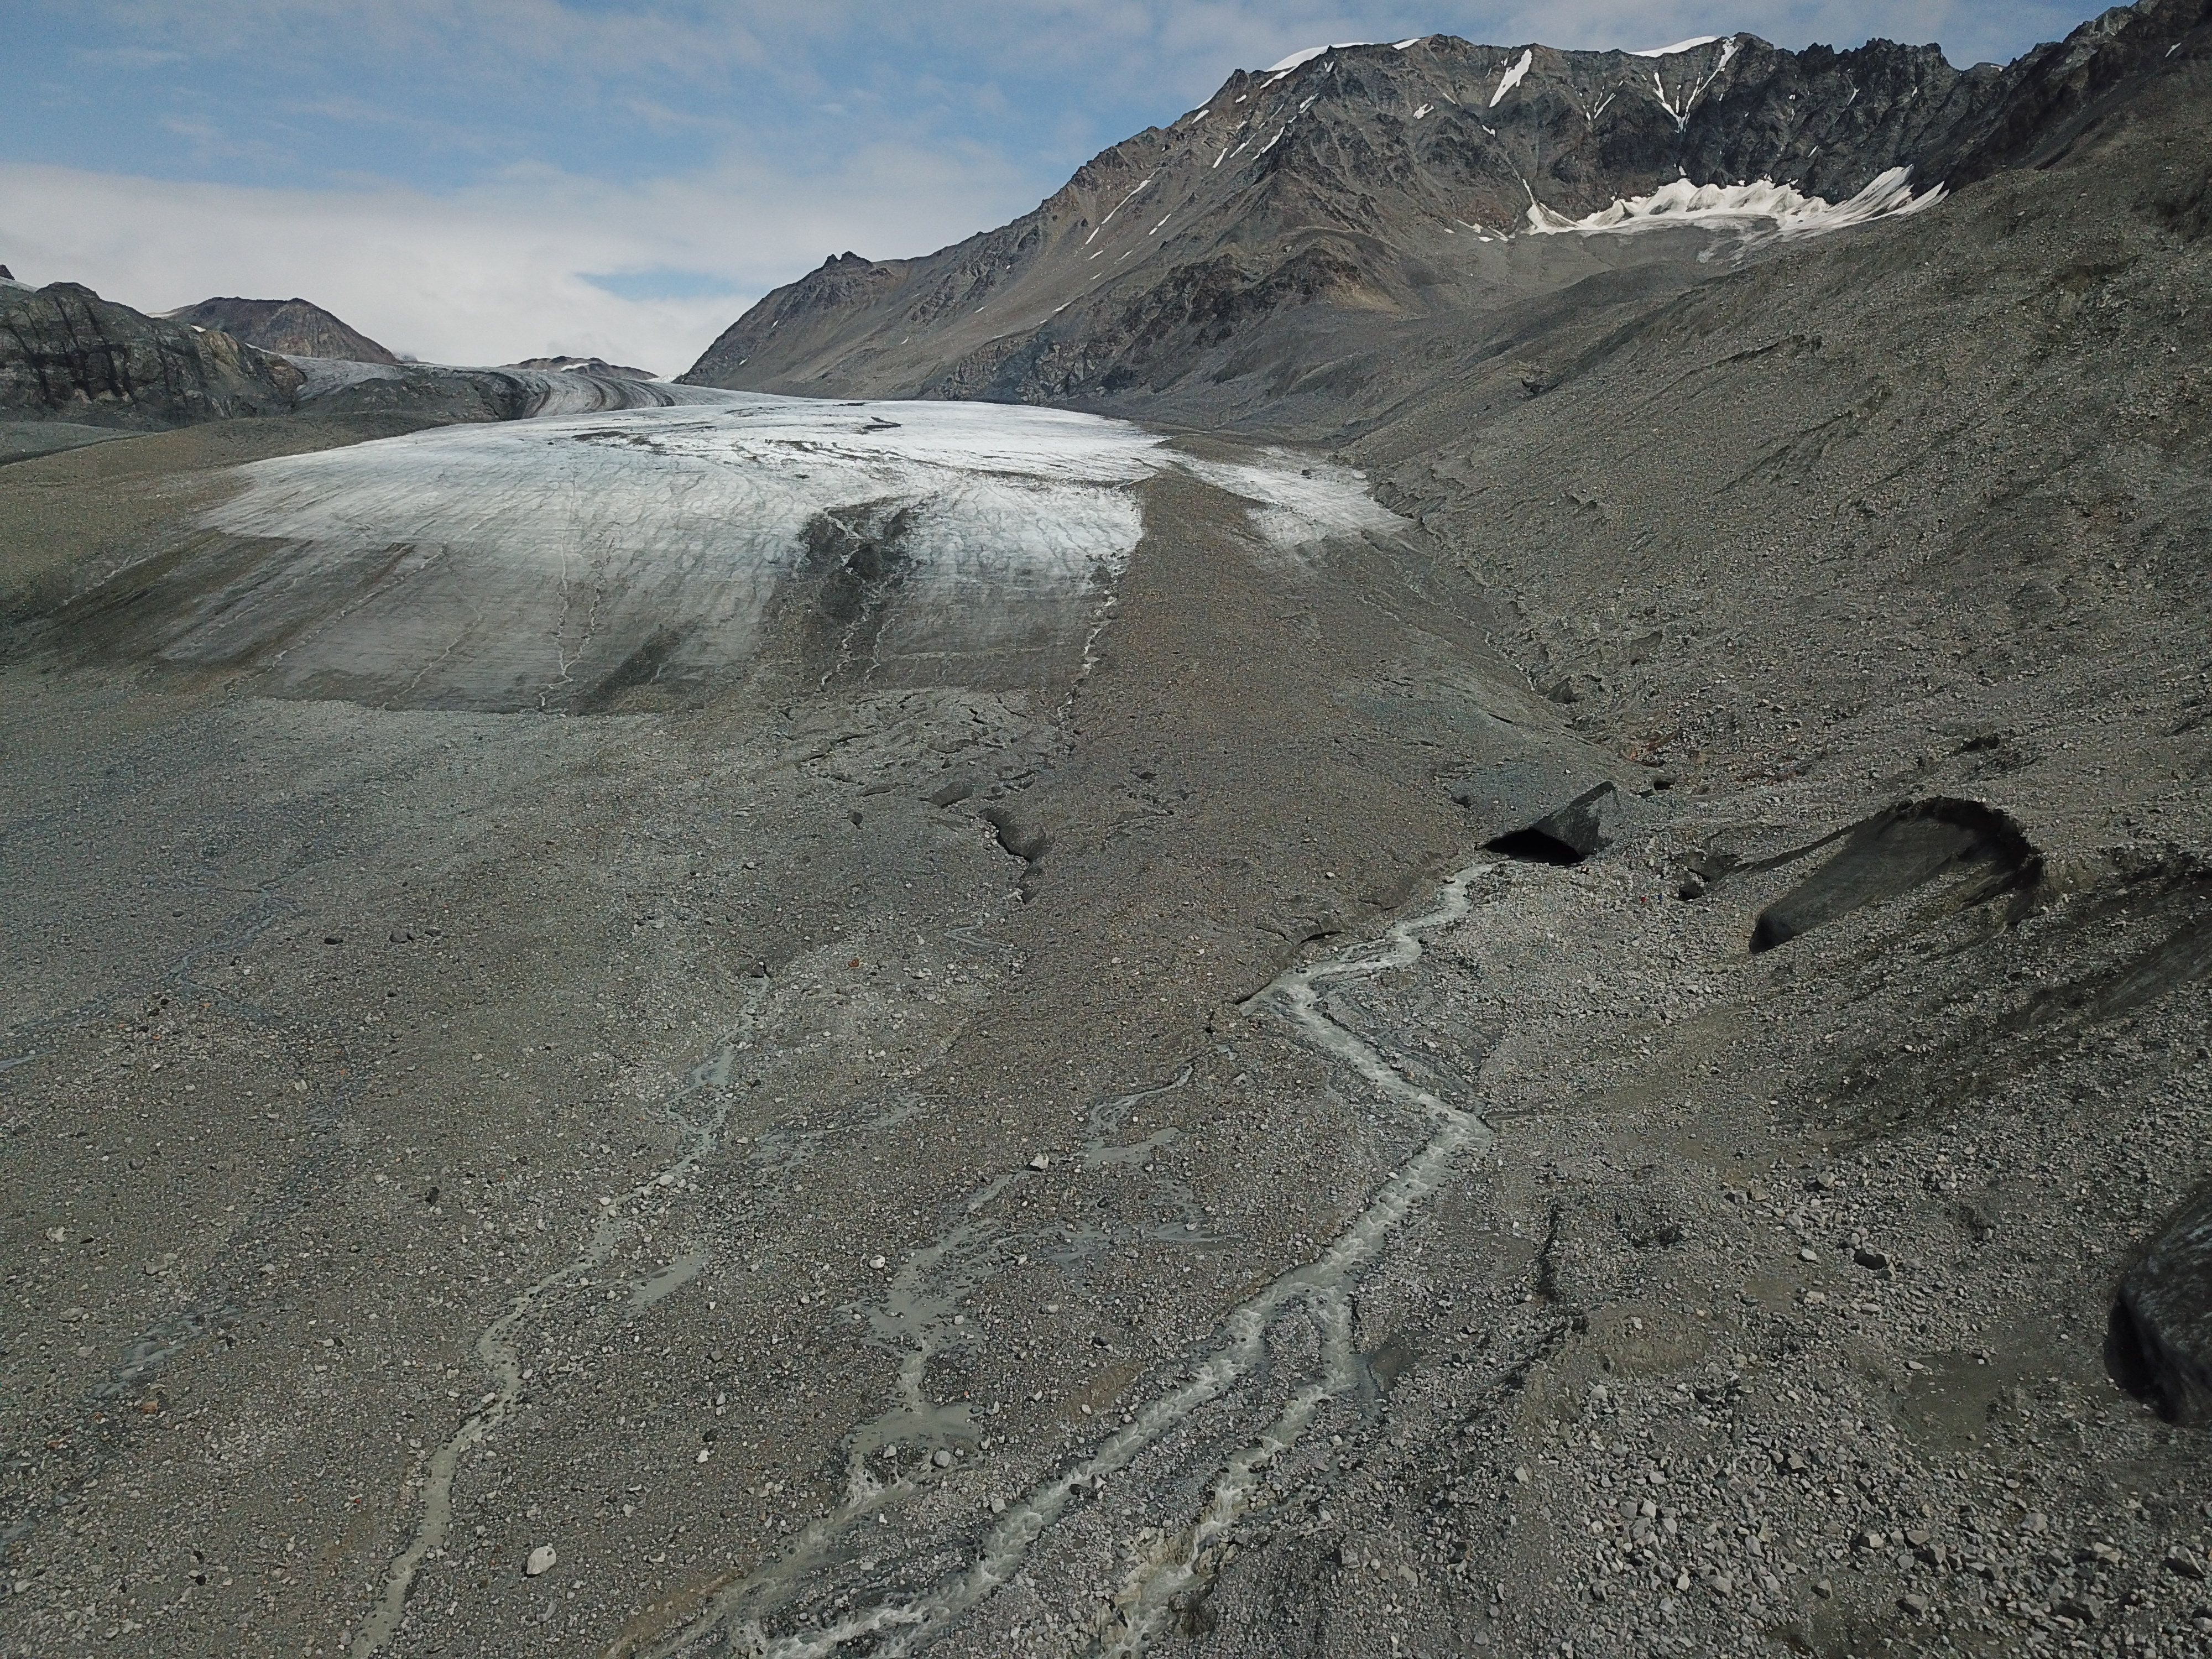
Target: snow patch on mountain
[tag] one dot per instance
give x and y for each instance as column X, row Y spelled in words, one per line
column 1297, row 505
column 1513, row 77
column 1678, row 47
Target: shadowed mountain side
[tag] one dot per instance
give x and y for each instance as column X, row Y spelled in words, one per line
column 1374, row 185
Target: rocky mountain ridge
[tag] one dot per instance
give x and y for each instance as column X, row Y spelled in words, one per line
column 566, row 365
column 66, row 353
column 74, row 365
column 295, row 327
column 1394, row 183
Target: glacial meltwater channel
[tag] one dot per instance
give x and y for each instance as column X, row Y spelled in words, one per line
column 1320, row 1291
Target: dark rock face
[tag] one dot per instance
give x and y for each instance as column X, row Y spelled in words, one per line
column 1379, row 184
column 68, row 355
column 296, row 326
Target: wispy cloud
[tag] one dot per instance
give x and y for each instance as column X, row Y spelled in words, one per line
column 527, row 265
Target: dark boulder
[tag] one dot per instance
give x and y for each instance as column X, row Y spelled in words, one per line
column 2162, row 1325
column 1569, row 834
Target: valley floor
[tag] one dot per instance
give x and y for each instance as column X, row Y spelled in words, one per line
column 1577, row 1071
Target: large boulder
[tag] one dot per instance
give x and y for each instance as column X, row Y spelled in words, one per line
column 2163, row 1325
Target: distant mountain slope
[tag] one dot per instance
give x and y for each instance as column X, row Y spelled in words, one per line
column 66, row 353
column 1385, row 184
column 298, row 328
column 585, row 366
column 69, row 356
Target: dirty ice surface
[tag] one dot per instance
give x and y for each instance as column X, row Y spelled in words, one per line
column 527, row 563
column 1761, row 207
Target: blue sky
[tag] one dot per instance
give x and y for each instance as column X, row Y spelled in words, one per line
column 479, row 181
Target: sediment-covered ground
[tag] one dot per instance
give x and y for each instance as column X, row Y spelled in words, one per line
column 820, row 1029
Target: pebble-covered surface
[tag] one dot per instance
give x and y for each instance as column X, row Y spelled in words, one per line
column 836, row 1166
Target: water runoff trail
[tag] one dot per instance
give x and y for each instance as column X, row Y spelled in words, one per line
column 700, row 1108
column 1321, row 1291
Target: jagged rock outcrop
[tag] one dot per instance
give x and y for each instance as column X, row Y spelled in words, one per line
column 67, row 354
column 295, row 327
column 1390, row 184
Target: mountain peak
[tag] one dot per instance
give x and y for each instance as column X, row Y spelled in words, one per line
column 297, row 327
column 1407, row 180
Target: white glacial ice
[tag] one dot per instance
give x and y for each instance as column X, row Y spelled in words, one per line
column 520, row 564
column 1763, row 207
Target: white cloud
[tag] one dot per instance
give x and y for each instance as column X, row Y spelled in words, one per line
column 496, row 271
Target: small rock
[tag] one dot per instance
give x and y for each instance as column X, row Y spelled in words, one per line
column 1040, row 1161
column 2082, row 1609
column 541, row 1560
column 1722, row 1585
column 1915, row 1604
column 1823, row 1589
column 1521, row 1474
column 1874, row 1260
column 1808, row 1253
column 942, row 1458
column 877, row 1262
column 2034, row 1521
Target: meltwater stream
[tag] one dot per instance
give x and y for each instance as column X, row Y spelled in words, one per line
column 1321, row 1289
column 496, row 1346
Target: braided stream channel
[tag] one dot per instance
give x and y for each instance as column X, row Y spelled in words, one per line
column 736, row 1620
